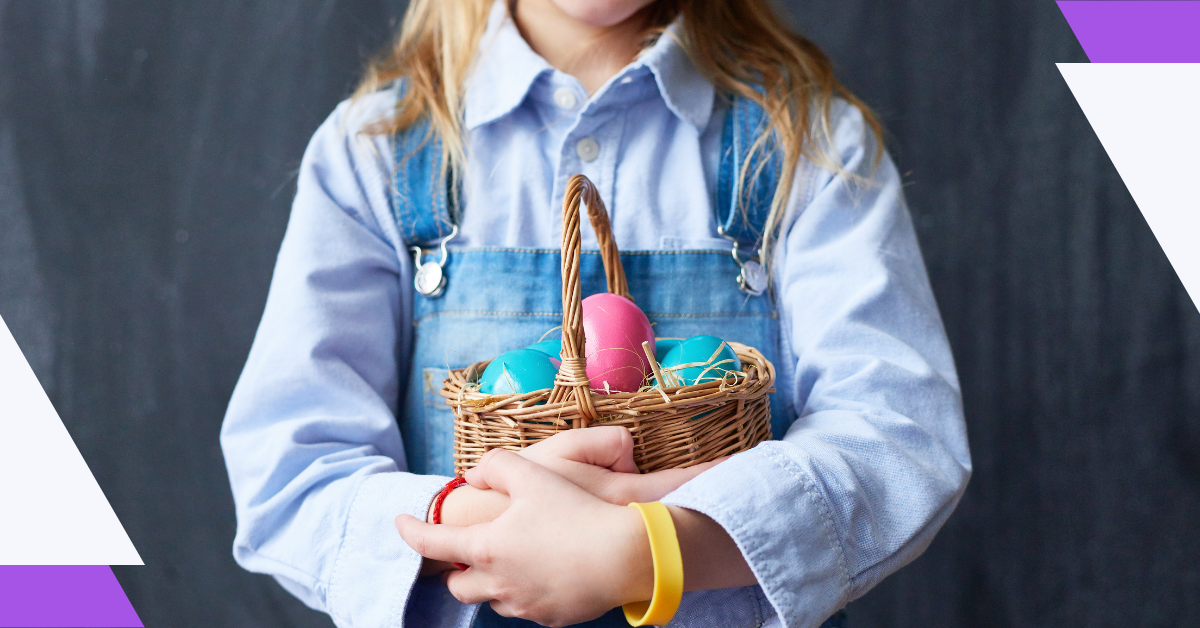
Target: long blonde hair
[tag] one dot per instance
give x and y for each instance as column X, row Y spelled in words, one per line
column 741, row 47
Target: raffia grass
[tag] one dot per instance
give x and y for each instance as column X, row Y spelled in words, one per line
column 676, row 426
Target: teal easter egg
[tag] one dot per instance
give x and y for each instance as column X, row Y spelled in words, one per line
column 709, row 359
column 518, row 371
column 663, row 345
column 552, row 348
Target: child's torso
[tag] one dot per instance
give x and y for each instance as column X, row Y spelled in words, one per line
column 653, row 142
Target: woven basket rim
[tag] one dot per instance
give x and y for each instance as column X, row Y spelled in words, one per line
column 762, row 372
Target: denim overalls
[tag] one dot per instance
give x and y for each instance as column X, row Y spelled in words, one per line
column 499, row 299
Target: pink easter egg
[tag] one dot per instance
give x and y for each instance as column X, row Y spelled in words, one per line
column 613, row 330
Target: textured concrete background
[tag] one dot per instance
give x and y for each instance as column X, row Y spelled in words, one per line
column 147, row 152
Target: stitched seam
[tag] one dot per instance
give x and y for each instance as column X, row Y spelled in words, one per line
column 488, row 313
column 497, row 249
column 765, row 610
column 405, row 218
column 818, row 499
column 413, row 188
column 759, row 616
column 530, row 314
column 436, row 191
column 397, row 197
column 713, row 315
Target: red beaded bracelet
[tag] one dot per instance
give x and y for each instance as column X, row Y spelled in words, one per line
column 437, row 506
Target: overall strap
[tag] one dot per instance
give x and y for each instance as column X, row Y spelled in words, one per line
column 422, row 203
column 743, row 204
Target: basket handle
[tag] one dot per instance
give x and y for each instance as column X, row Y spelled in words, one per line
column 572, row 378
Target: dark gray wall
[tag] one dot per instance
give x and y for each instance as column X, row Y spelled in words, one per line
column 147, row 152
column 1077, row 346
column 146, row 160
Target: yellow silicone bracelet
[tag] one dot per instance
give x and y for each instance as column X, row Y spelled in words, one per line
column 668, row 569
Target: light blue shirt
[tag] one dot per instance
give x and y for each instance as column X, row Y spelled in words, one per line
column 873, row 465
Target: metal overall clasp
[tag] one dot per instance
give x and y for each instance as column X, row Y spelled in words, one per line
column 752, row 278
column 429, row 278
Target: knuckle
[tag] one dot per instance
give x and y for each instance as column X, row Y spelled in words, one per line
column 419, row 543
column 624, row 438
column 497, row 458
column 614, row 493
column 614, row 440
column 482, row 553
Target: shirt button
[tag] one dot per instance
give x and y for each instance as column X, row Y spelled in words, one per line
column 565, row 98
column 587, row 149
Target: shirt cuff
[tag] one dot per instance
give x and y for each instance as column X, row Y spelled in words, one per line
column 374, row 581
column 779, row 519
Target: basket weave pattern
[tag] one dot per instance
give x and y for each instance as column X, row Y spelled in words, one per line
column 678, row 426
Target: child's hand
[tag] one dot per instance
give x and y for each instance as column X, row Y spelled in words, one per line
column 558, row 555
column 600, row 461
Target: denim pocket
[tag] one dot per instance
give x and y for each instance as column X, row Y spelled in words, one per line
column 439, row 423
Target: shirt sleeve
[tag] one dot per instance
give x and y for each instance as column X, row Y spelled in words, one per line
column 310, row 438
column 877, row 458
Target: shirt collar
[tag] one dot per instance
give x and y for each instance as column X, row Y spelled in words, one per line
column 507, row 68
column 686, row 92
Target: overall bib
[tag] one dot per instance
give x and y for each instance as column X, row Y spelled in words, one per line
column 498, row 299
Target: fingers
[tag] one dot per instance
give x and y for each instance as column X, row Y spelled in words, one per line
column 469, row 506
column 651, row 487
column 509, row 473
column 468, row 587
column 607, row 446
column 438, row 542
column 434, row 567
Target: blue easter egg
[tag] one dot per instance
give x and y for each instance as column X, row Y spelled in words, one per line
column 552, row 348
column 715, row 358
column 663, row 345
column 518, row 371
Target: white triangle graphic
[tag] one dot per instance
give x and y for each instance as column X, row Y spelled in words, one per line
column 1147, row 116
column 52, row 512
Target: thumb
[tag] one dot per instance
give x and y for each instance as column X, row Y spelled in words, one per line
column 438, row 542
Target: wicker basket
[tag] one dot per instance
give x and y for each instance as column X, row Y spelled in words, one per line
column 677, row 426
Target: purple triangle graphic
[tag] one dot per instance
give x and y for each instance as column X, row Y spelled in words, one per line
column 86, row 596
column 1137, row 31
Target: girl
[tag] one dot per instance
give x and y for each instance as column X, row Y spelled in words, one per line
column 758, row 206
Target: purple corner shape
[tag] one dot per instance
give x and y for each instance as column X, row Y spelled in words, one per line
column 87, row 596
column 1137, row 31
